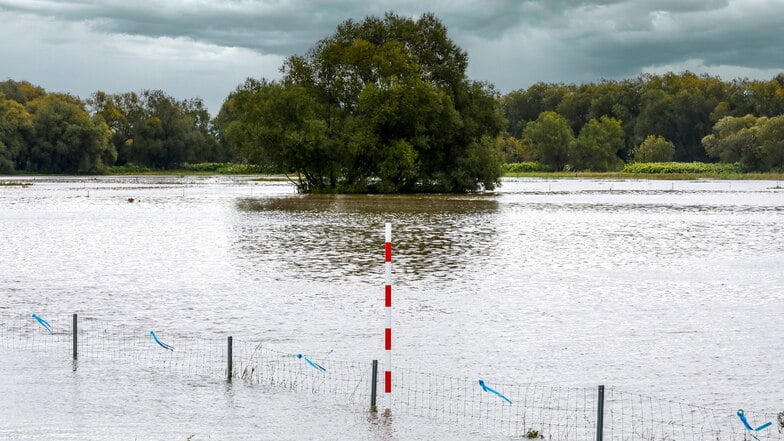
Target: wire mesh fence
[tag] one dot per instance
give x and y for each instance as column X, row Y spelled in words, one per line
column 528, row 411
column 631, row 416
column 535, row 411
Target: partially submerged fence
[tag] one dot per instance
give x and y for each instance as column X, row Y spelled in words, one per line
column 520, row 410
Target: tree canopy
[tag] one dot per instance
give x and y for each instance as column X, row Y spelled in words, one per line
column 681, row 108
column 654, row 149
column 756, row 143
column 60, row 133
column 156, row 130
column 382, row 105
column 50, row 133
column 597, row 146
column 550, row 135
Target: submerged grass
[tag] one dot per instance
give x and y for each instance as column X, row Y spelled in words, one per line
column 656, row 176
column 15, row 184
column 644, row 170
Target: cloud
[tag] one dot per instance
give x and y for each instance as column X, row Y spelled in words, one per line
column 81, row 61
column 588, row 41
column 207, row 46
column 270, row 27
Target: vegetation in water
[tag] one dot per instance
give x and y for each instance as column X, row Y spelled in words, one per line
column 533, row 434
column 382, row 105
column 14, row 184
column 681, row 168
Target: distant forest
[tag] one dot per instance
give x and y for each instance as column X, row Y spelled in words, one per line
column 682, row 117
column 598, row 126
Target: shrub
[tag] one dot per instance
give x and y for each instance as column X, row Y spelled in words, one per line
column 654, row 149
column 129, row 168
column 681, row 167
column 525, row 167
column 228, row 168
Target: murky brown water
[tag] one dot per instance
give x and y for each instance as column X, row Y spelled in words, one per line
column 671, row 289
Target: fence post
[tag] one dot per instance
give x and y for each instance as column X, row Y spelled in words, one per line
column 373, row 382
column 600, row 414
column 75, row 333
column 228, row 375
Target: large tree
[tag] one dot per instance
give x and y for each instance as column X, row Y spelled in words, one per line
column 757, row 143
column 654, row 149
column 381, row 105
column 66, row 139
column 550, row 135
column 16, row 125
column 597, row 146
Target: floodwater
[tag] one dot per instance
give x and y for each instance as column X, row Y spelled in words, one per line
column 664, row 288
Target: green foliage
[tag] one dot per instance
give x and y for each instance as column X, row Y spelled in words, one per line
column 16, row 128
column 756, row 143
column 533, row 434
column 654, row 149
column 65, row 138
column 156, row 130
column 771, row 138
column 129, row 169
column 681, row 168
column 525, row 167
column 597, row 146
column 681, row 108
column 20, row 91
column 277, row 126
column 523, row 106
column 382, row 105
column 227, row 168
column 517, row 150
column 55, row 133
column 550, row 136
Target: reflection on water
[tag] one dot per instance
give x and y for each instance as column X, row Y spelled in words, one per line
column 664, row 288
column 325, row 236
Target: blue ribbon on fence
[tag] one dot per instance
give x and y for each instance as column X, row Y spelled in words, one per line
column 162, row 344
column 745, row 422
column 487, row 388
column 315, row 365
column 43, row 323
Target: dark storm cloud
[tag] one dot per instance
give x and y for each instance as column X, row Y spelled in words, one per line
column 511, row 43
column 271, row 27
column 741, row 34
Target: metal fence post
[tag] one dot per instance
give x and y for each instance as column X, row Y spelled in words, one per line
column 600, row 414
column 230, row 367
column 373, row 381
column 75, row 333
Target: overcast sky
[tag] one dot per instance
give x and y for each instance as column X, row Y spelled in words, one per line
column 201, row 48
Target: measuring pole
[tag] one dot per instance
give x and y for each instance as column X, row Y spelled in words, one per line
column 388, row 308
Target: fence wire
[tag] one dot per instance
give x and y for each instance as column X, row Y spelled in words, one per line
column 535, row 411
column 630, row 416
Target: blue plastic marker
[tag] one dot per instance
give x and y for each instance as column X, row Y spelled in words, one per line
column 162, row 344
column 487, row 388
column 43, row 323
column 315, row 365
column 745, row 422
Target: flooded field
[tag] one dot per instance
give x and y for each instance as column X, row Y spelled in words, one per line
column 663, row 288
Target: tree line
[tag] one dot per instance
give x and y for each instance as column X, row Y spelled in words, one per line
column 384, row 105
column 59, row 133
column 681, row 117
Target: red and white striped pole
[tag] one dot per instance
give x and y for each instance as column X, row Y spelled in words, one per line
column 388, row 307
